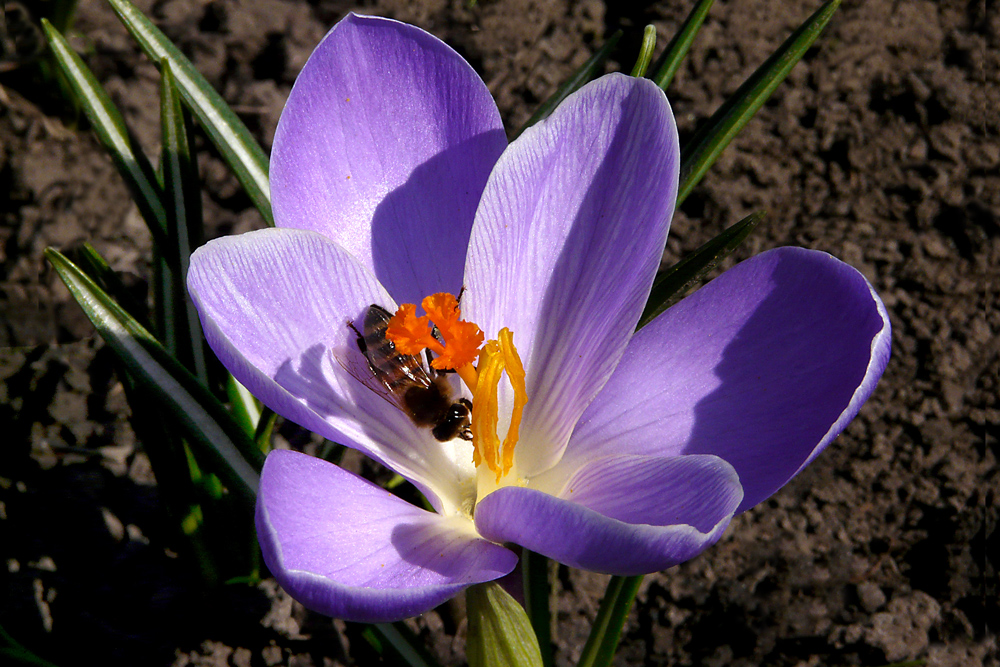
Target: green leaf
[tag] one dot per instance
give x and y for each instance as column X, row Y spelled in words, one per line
column 15, row 653
column 94, row 265
column 600, row 648
column 62, row 13
column 645, row 51
column 265, row 427
column 111, row 131
column 396, row 640
column 670, row 60
column 535, row 569
column 201, row 418
column 182, row 194
column 714, row 135
column 581, row 76
column 500, row 632
column 238, row 147
column 669, row 284
column 246, row 408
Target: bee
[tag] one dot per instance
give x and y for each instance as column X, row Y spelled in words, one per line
column 426, row 397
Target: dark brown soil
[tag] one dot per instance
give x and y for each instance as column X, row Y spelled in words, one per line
column 881, row 148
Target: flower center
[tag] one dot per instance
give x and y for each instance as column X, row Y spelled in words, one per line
column 456, row 343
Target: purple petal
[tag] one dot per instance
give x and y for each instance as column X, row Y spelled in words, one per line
column 763, row 367
column 349, row 549
column 566, row 243
column 622, row 515
column 275, row 306
column 385, row 146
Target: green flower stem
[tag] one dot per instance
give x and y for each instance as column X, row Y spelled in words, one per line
column 670, row 60
column 714, row 135
column 535, row 569
column 581, row 76
column 669, row 285
column 600, row 648
column 645, row 51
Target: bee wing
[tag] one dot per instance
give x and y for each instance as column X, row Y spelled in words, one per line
column 407, row 370
column 357, row 366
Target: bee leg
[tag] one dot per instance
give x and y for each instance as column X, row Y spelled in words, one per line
column 465, row 433
column 361, row 339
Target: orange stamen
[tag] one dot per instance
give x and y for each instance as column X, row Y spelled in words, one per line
column 442, row 308
column 412, row 334
column 409, row 333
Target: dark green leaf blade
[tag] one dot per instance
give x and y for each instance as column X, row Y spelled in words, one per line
column 714, row 135
column 670, row 283
column 535, row 569
column 395, row 640
column 670, row 60
column 599, row 651
column 245, row 156
column 95, row 266
column 183, row 197
column 574, row 83
column 110, row 129
column 201, row 418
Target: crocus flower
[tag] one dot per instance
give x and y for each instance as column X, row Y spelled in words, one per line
column 392, row 181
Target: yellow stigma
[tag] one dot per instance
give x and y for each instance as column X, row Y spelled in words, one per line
column 496, row 357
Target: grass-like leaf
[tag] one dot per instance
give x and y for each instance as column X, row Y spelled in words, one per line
column 13, row 653
column 535, row 569
column 714, row 135
column 581, row 76
column 111, row 131
column 229, row 134
column 94, row 265
column 396, row 642
column 245, row 407
column 670, row 60
column 670, row 284
column 200, row 417
column 606, row 632
column 265, row 427
column 645, row 51
column 182, row 193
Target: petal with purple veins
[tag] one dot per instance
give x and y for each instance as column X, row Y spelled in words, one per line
column 275, row 306
column 385, row 145
column 349, row 549
column 622, row 515
column 565, row 245
column 763, row 367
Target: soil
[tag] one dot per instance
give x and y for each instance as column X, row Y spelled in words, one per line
column 881, row 148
